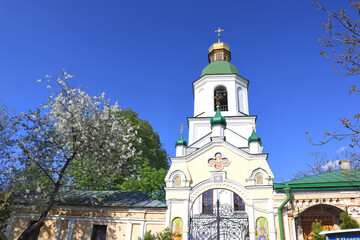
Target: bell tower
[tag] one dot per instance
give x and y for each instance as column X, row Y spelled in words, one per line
column 220, row 81
column 222, row 78
column 221, row 168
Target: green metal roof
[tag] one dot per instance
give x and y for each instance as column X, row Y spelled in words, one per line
column 254, row 137
column 221, row 67
column 181, row 141
column 218, row 118
column 105, row 199
column 338, row 179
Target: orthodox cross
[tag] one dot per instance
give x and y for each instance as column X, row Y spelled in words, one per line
column 218, row 162
column 217, row 98
column 181, row 128
column 219, row 31
column 252, row 124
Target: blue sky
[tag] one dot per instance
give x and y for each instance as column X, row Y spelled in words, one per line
column 146, row 54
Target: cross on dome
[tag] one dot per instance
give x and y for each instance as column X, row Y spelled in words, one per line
column 219, row 31
column 219, row 51
column 182, row 128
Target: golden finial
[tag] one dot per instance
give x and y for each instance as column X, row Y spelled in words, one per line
column 217, row 99
column 219, row 31
column 181, row 128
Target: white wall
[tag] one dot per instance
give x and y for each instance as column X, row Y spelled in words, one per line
column 236, row 87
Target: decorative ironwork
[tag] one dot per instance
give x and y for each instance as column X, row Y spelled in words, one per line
column 217, row 98
column 220, row 97
column 233, row 225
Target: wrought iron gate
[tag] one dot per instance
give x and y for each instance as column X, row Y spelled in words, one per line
column 233, row 225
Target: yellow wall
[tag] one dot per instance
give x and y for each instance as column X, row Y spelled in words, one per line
column 83, row 226
column 135, row 231
column 155, row 227
column 48, row 230
column 20, row 224
column 198, row 170
column 332, row 198
column 83, row 230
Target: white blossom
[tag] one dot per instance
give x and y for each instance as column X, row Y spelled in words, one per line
column 71, row 125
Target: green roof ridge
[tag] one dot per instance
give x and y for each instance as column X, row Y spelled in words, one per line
column 218, row 118
column 220, row 67
column 336, row 178
column 100, row 198
column 181, row 141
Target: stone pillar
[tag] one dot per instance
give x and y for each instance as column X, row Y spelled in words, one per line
column 180, row 150
column 254, row 147
column 272, row 230
column 168, row 214
column 128, row 230
column 186, row 219
column 286, row 224
column 218, row 130
column 58, row 229
column 70, row 229
column 252, row 227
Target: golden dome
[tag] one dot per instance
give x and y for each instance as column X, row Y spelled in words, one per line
column 219, row 52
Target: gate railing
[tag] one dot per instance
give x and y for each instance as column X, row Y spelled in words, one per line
column 232, row 225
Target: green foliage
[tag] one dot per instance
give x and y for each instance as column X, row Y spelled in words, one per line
column 348, row 222
column 5, row 209
column 71, row 125
column 164, row 235
column 7, row 130
column 149, row 181
column 316, row 228
column 148, row 177
column 150, row 145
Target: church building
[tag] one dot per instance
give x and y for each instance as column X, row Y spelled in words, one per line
column 219, row 183
column 223, row 165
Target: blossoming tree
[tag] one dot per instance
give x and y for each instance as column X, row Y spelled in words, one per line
column 71, row 125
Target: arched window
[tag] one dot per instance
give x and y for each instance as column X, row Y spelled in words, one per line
column 239, row 204
column 220, row 96
column 207, row 202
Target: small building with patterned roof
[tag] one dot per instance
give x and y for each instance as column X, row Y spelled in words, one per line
column 116, row 215
column 322, row 197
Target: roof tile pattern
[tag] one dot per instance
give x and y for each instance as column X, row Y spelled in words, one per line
column 105, row 199
column 338, row 179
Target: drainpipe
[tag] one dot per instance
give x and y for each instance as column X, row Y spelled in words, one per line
column 287, row 191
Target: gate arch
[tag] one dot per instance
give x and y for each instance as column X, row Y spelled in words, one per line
column 233, row 222
column 329, row 216
column 227, row 185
